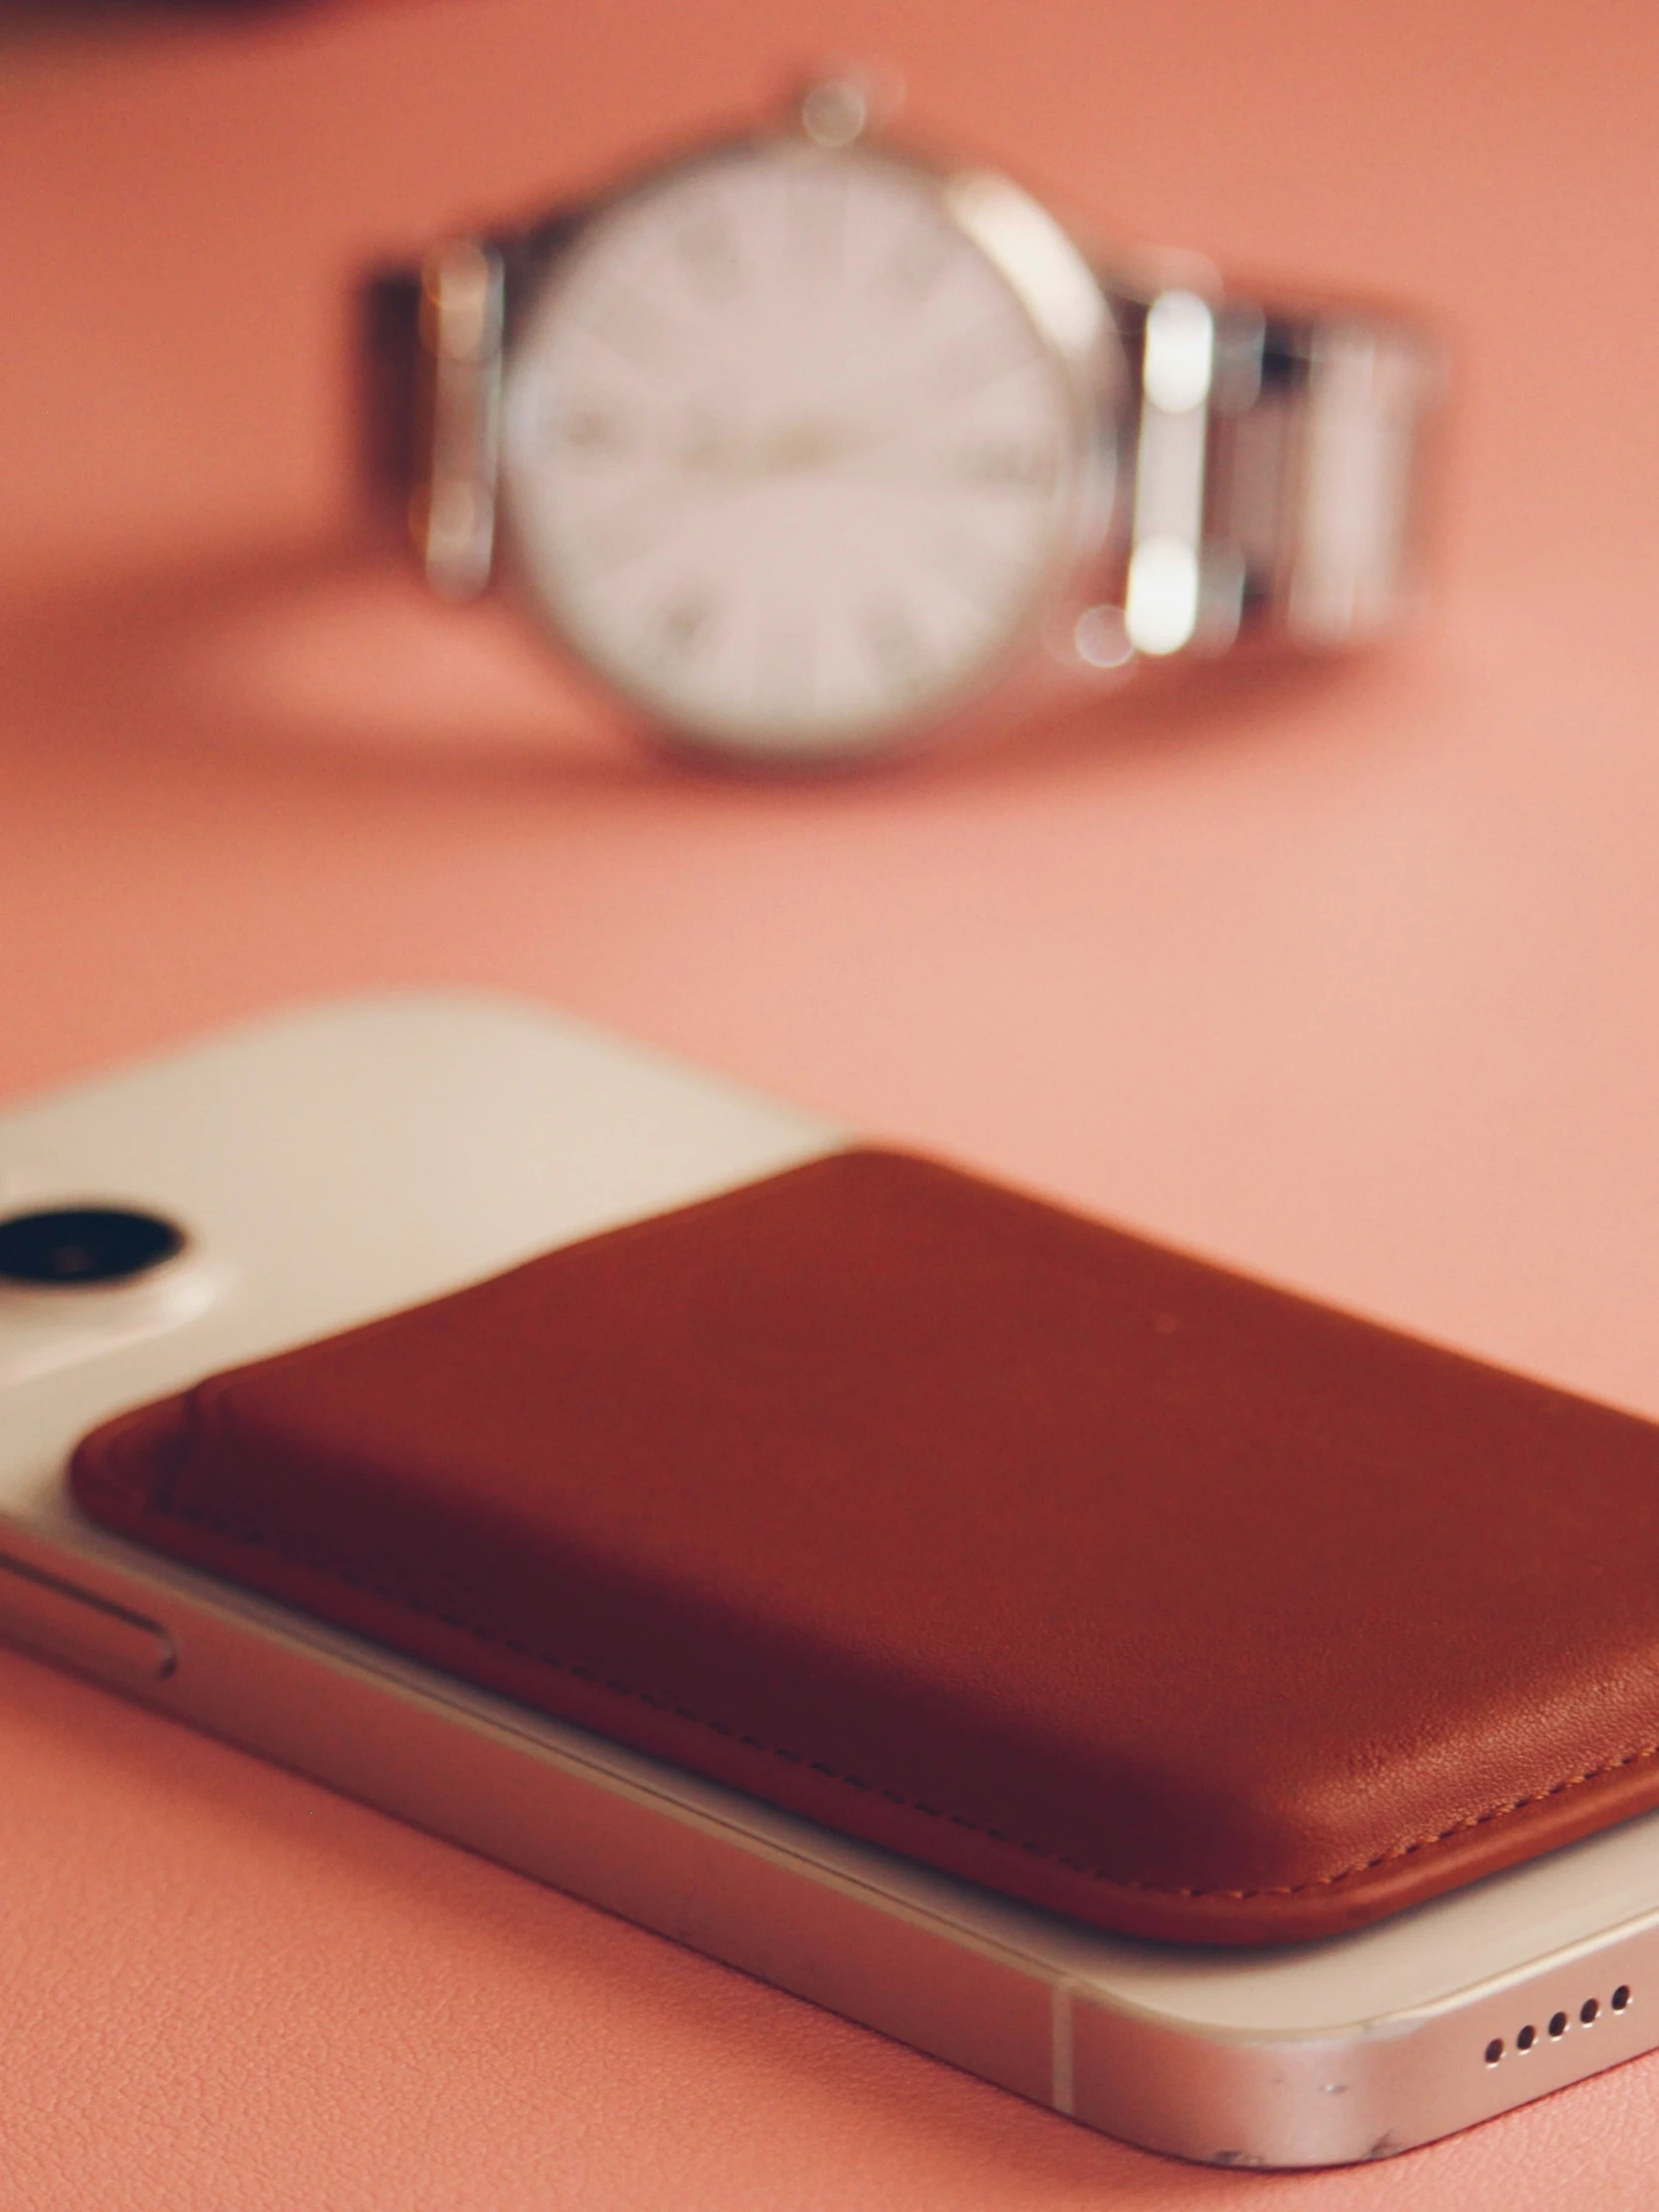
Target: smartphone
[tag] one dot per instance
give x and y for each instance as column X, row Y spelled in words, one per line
column 294, row 1178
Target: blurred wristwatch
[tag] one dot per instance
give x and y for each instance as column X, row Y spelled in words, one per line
column 816, row 451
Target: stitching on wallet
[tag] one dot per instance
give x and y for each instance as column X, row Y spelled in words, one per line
column 334, row 1572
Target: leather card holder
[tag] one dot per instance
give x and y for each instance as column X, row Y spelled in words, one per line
column 1056, row 1560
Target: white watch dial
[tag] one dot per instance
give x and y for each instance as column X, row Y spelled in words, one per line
column 786, row 457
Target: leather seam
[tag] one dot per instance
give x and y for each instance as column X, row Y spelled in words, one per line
column 148, row 1505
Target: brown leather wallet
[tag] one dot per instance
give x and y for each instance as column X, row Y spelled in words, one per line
column 1058, row 1560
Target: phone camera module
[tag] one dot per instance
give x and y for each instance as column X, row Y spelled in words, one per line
column 84, row 1248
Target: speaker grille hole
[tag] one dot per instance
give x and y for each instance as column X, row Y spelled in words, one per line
column 1588, row 2012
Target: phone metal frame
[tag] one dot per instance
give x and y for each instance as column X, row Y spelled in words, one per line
column 1318, row 2055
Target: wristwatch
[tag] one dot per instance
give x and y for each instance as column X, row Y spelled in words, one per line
column 816, row 451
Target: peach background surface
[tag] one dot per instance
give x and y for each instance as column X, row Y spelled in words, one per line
column 1348, row 975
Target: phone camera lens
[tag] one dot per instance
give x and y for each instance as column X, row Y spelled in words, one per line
column 74, row 1247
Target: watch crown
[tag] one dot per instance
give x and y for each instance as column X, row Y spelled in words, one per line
column 838, row 108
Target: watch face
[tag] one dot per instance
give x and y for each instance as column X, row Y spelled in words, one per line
column 792, row 453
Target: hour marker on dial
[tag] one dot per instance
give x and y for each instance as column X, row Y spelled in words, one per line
column 917, row 266
column 590, row 429
column 1008, row 466
column 710, row 257
column 685, row 621
column 894, row 644
column 814, row 220
column 633, row 329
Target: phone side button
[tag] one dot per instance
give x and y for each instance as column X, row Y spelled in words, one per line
column 59, row 1621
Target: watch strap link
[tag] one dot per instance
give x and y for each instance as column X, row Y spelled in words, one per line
column 432, row 407
column 1278, row 466
column 1316, row 468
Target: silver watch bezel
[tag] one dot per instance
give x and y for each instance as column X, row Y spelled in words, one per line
column 1073, row 317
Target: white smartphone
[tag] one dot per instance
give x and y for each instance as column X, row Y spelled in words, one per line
column 296, row 1177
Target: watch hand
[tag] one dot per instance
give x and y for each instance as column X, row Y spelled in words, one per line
column 816, row 443
column 796, row 448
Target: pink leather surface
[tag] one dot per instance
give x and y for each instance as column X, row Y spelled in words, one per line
column 1347, row 976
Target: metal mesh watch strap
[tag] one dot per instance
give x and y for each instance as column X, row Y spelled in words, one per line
column 430, row 406
column 1277, row 470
